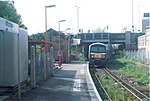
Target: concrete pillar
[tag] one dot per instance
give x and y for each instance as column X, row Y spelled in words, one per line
column 44, row 57
column 128, row 40
column 109, row 45
column 33, row 76
column 51, row 61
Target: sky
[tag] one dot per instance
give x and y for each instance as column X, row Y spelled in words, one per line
column 93, row 14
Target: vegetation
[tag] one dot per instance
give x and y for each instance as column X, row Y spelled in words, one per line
column 81, row 58
column 115, row 92
column 8, row 11
column 38, row 36
column 51, row 34
column 98, row 30
column 130, row 68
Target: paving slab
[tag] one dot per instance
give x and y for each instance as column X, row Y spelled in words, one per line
column 68, row 84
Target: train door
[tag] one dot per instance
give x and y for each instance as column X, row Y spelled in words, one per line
column 1, row 57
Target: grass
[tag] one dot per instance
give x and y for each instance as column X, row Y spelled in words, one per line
column 82, row 58
column 114, row 91
column 130, row 68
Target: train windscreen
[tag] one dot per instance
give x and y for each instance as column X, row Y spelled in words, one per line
column 100, row 49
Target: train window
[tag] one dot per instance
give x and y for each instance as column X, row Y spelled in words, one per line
column 93, row 49
column 98, row 49
column 101, row 49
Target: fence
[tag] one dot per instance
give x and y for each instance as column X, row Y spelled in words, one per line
column 141, row 55
column 40, row 68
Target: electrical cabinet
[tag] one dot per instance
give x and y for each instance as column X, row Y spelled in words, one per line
column 13, row 53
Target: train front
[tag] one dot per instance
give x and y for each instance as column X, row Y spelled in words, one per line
column 97, row 55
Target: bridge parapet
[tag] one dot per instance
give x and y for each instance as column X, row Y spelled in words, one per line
column 127, row 39
column 94, row 36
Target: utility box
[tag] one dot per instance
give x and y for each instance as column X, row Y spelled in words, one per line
column 13, row 54
column 23, row 54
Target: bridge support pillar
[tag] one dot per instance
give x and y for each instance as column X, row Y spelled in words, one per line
column 109, row 46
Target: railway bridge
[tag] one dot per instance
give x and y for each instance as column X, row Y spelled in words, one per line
column 127, row 39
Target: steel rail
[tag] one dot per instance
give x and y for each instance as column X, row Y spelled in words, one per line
column 102, row 86
column 123, row 83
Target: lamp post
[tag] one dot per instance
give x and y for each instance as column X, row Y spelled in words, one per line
column 77, row 19
column 46, row 36
column 59, row 53
column 132, row 16
column 77, row 30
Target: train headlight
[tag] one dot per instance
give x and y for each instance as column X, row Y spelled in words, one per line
column 103, row 55
column 92, row 55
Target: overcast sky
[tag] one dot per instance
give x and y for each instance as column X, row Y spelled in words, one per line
column 92, row 14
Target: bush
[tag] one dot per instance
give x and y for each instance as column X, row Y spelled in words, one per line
column 82, row 59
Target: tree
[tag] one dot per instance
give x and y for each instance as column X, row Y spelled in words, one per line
column 99, row 30
column 38, row 36
column 8, row 11
column 124, row 29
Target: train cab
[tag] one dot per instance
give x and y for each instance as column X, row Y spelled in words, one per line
column 97, row 55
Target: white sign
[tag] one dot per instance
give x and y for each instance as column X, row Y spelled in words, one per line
column 76, row 41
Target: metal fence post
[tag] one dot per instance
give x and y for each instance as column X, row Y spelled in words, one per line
column 33, row 78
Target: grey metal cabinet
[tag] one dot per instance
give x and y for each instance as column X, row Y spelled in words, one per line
column 13, row 53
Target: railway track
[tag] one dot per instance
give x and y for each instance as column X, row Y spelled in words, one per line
column 136, row 93
column 103, row 93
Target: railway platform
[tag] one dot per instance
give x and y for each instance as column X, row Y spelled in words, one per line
column 71, row 83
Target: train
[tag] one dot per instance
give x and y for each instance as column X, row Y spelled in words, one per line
column 97, row 55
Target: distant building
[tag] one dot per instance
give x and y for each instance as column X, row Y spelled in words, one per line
column 145, row 22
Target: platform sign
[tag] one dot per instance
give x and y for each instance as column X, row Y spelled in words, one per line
column 76, row 42
column 9, row 26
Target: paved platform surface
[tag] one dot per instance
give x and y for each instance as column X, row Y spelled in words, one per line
column 68, row 84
